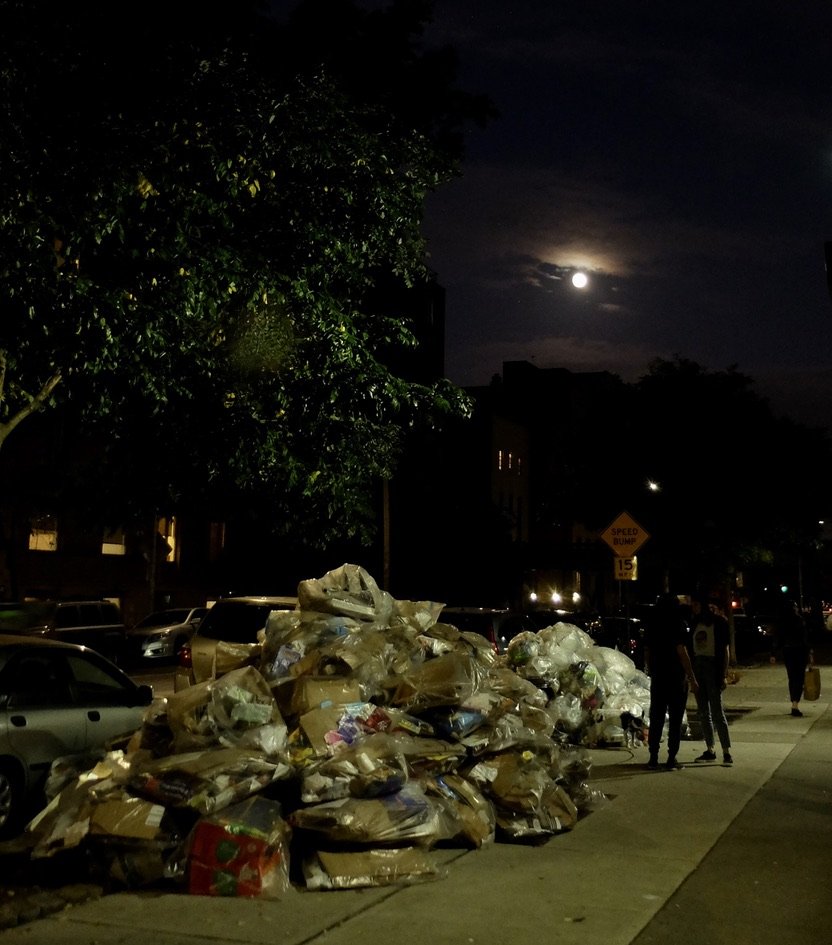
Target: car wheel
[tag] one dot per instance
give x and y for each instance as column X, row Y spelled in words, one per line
column 11, row 800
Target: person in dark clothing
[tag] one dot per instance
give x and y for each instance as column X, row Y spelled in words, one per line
column 710, row 642
column 790, row 642
column 667, row 662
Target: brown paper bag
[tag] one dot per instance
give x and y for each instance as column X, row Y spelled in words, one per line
column 811, row 684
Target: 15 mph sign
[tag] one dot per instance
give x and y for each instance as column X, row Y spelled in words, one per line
column 625, row 536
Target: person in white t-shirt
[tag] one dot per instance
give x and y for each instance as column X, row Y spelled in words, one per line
column 710, row 645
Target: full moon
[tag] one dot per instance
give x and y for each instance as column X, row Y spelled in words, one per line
column 579, row 280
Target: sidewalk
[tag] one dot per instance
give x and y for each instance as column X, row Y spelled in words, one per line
column 704, row 853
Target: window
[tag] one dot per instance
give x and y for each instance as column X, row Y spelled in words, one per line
column 39, row 681
column 166, row 527
column 43, row 534
column 113, row 542
column 93, row 685
column 68, row 616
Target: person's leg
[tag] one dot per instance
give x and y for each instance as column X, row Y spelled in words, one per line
column 658, row 710
column 721, row 723
column 703, row 705
column 675, row 714
column 795, row 659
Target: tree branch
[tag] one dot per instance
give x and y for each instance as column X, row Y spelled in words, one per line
column 35, row 404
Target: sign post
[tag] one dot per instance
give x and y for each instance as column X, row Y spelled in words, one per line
column 625, row 536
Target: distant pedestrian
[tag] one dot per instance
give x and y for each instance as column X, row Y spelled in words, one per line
column 790, row 642
column 710, row 644
column 667, row 662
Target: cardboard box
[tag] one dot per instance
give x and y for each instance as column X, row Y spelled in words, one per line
column 317, row 725
column 312, row 692
column 130, row 817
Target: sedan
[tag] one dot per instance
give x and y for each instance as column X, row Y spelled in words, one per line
column 56, row 700
column 162, row 634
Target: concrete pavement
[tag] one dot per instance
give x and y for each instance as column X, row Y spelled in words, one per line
column 707, row 853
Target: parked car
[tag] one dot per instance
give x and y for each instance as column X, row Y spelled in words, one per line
column 56, row 700
column 750, row 637
column 498, row 625
column 93, row 623
column 622, row 633
column 586, row 620
column 230, row 620
column 162, row 634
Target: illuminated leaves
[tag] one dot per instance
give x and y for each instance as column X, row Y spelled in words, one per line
column 190, row 237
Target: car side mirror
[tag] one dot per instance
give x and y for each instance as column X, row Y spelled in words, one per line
column 144, row 696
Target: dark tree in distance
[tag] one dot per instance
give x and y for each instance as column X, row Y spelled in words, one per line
column 739, row 488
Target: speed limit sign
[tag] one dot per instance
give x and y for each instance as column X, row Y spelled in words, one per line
column 625, row 569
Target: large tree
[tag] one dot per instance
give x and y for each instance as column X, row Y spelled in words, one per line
column 194, row 214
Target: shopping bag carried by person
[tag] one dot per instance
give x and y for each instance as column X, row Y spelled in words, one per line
column 811, row 684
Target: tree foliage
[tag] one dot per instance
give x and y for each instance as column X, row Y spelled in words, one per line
column 193, row 214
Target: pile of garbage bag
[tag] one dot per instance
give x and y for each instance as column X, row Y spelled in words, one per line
column 359, row 734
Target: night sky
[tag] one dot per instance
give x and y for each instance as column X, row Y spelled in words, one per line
column 680, row 153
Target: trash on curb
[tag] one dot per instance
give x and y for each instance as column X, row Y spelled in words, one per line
column 337, row 750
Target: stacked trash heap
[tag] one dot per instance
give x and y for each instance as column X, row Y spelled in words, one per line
column 358, row 734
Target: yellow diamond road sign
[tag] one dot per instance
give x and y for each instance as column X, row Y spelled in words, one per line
column 625, row 536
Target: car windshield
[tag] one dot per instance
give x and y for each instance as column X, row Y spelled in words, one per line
column 235, row 623
column 163, row 618
column 19, row 618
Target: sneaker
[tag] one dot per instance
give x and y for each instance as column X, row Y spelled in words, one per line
column 727, row 759
column 797, row 713
column 672, row 764
column 653, row 763
column 707, row 756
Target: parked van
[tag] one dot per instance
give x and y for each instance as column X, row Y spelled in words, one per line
column 233, row 620
column 93, row 623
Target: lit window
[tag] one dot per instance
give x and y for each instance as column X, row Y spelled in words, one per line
column 43, row 534
column 499, row 459
column 113, row 542
column 167, row 529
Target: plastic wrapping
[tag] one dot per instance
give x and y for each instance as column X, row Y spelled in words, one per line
column 419, row 615
column 236, row 710
column 527, row 800
column 242, row 851
column 446, row 680
column 347, row 591
column 229, row 656
column 65, row 821
column 205, row 781
column 407, row 816
column 473, row 811
column 324, row 869
column 373, row 766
